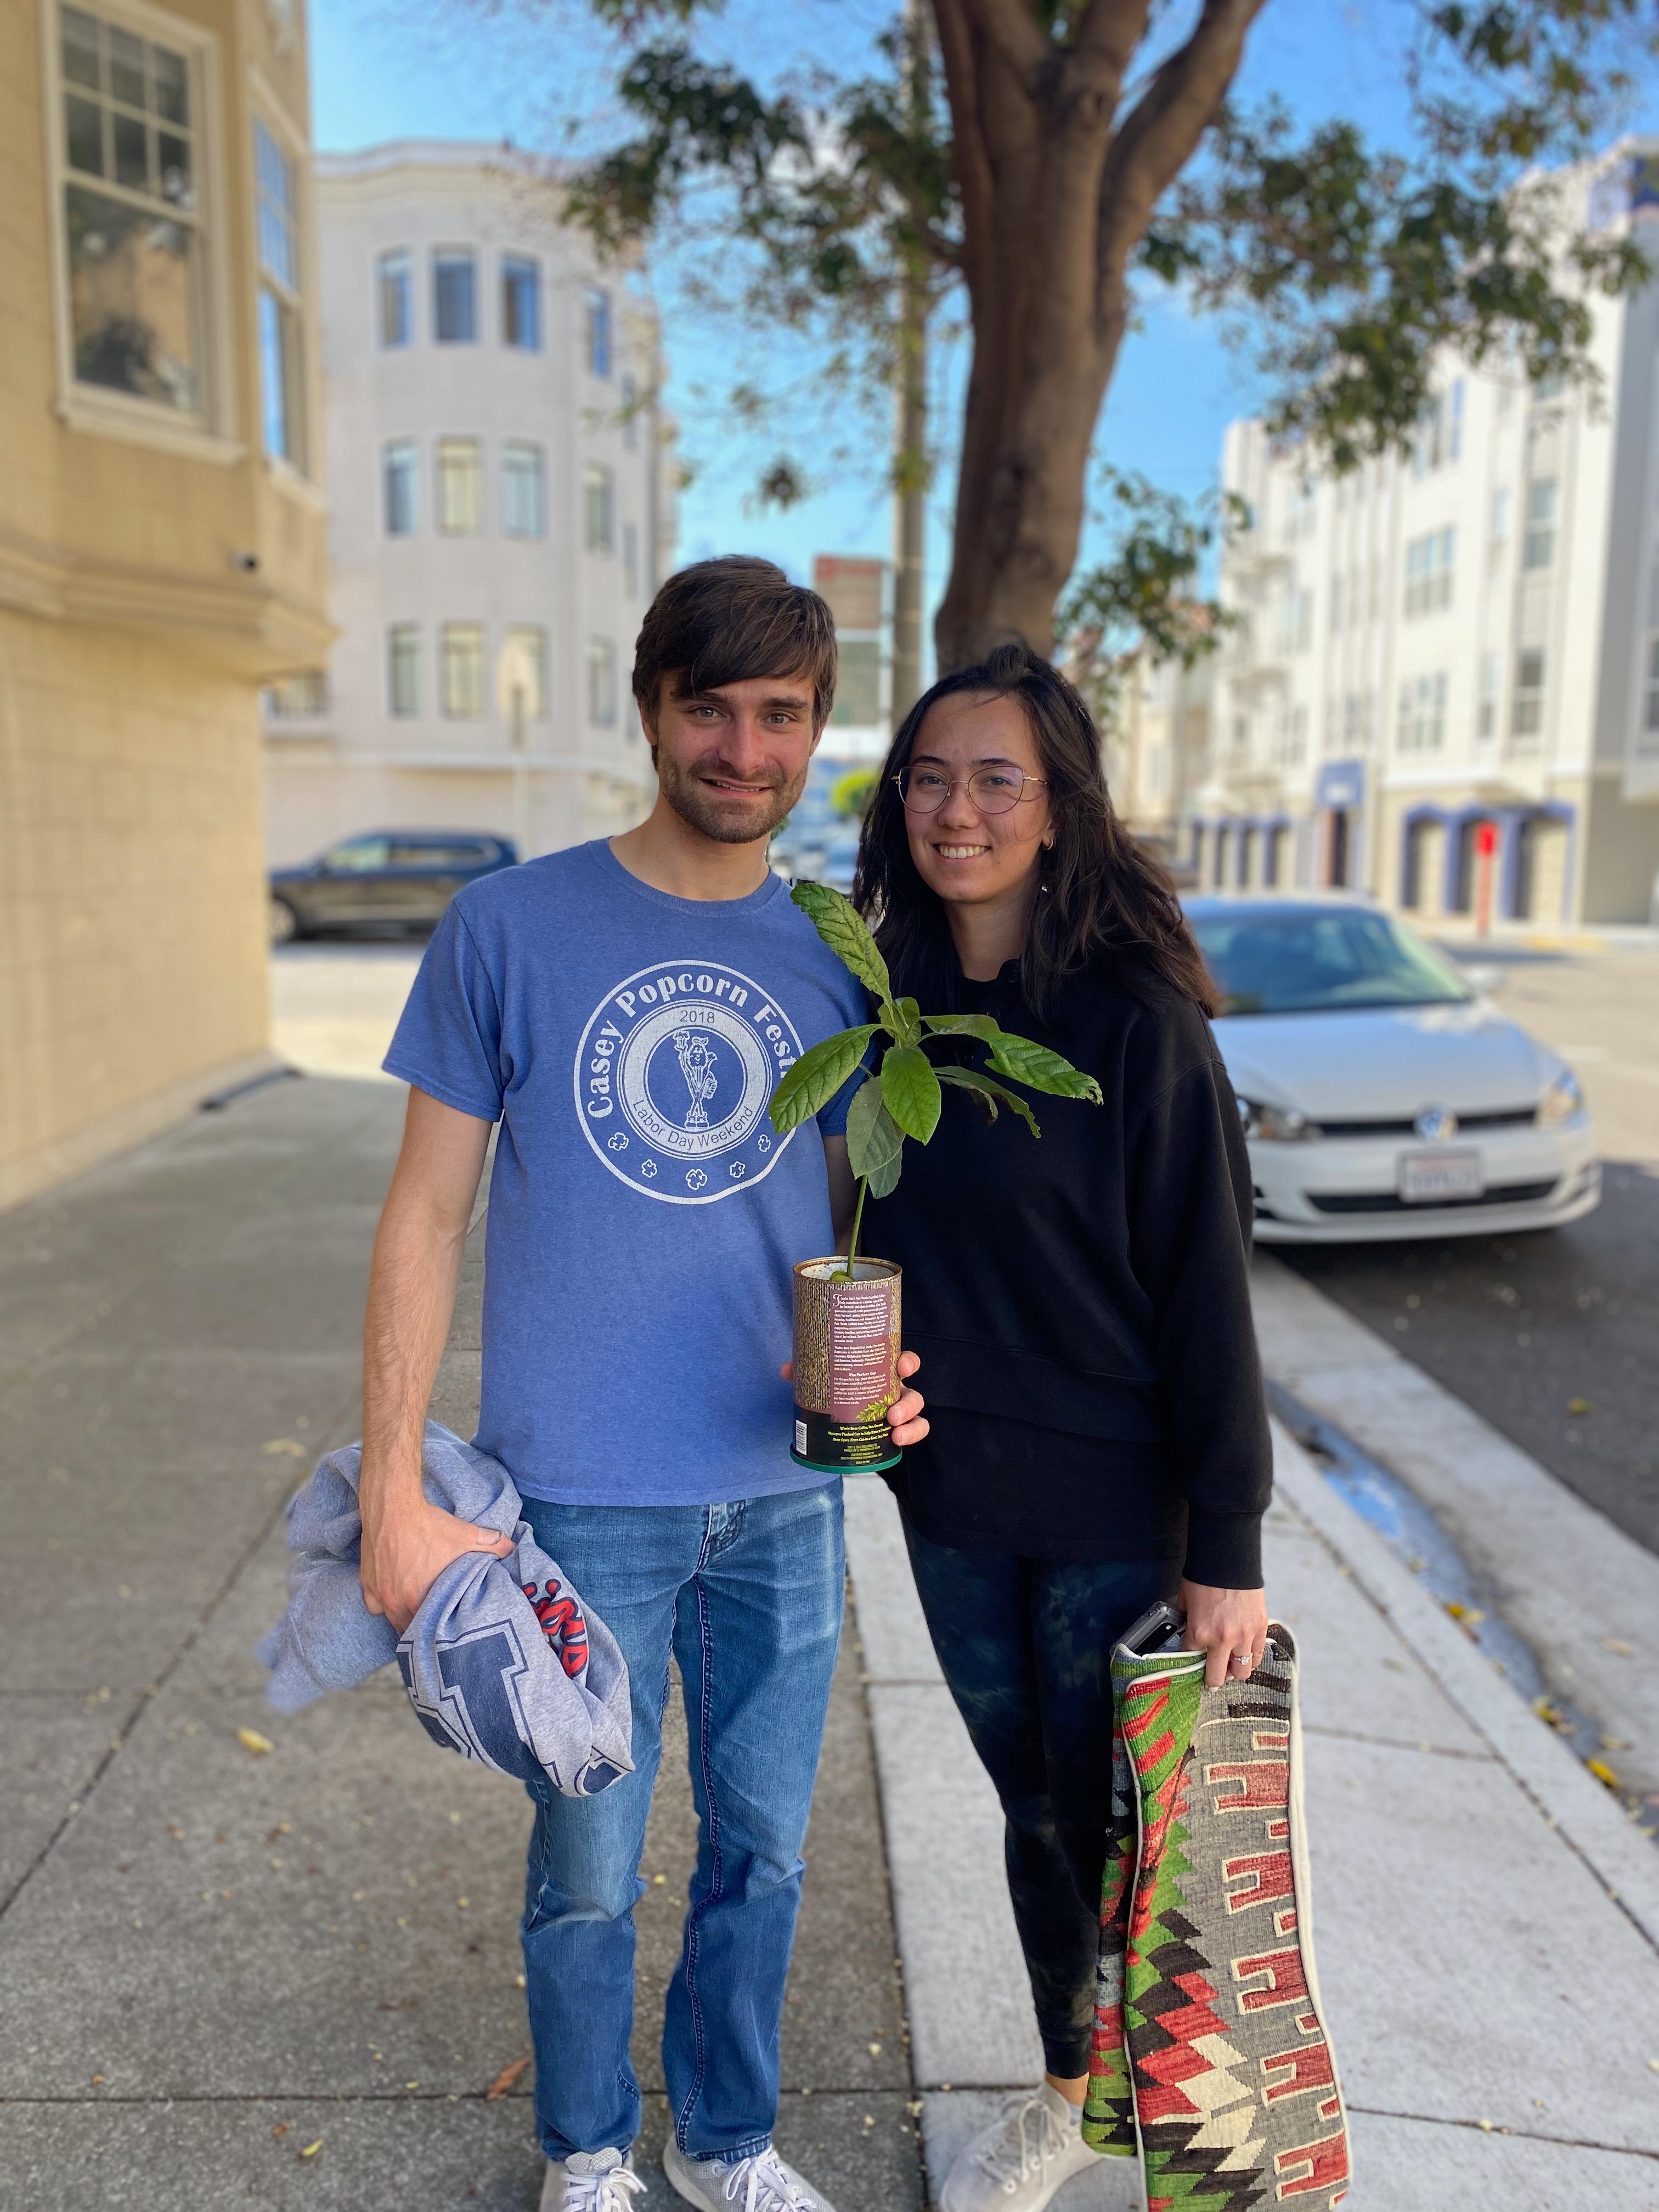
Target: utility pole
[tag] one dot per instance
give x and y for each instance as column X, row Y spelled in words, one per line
column 910, row 452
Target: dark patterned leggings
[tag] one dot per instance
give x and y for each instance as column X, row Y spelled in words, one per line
column 1026, row 1648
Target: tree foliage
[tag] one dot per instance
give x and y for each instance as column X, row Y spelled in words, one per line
column 1078, row 151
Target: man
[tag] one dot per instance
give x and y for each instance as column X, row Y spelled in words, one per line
column 624, row 1011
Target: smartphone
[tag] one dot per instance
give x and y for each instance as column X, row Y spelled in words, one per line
column 1158, row 1628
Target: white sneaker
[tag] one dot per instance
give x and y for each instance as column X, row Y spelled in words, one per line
column 1018, row 2164
column 761, row 2183
column 591, row 2181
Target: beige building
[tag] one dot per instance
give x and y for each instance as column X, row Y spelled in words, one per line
column 161, row 549
column 1443, row 685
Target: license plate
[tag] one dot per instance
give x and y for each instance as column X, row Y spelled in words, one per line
column 1427, row 1177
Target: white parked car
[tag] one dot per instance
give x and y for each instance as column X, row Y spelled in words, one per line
column 1383, row 1096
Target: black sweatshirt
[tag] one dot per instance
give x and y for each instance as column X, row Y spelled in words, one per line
column 1081, row 1301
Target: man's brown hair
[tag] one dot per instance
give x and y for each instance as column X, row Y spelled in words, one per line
column 728, row 621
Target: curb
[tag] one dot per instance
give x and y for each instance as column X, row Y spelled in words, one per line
column 1591, row 1822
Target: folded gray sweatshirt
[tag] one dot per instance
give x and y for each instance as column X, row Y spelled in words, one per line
column 503, row 1663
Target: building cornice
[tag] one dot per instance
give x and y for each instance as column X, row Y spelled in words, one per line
column 242, row 625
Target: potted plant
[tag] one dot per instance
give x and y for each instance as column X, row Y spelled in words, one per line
column 846, row 1309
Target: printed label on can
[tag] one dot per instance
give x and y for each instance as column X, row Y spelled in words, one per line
column 821, row 1440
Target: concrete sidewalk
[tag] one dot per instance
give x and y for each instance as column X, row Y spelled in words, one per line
column 213, row 1960
column 1488, row 1917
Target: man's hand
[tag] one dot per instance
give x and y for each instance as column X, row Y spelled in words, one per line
column 1229, row 1627
column 404, row 1555
column 905, row 1415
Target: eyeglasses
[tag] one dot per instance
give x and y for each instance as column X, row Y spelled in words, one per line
column 993, row 790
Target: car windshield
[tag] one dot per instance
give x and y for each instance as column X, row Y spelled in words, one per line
column 1302, row 960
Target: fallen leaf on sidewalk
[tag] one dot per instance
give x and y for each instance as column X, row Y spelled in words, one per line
column 505, row 2080
column 280, row 2130
column 288, row 1446
column 1580, row 1405
column 1602, row 1773
column 311, row 2149
column 1615, row 1643
column 251, row 1740
column 1470, row 1615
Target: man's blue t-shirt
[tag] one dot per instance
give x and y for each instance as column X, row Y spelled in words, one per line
column 644, row 1214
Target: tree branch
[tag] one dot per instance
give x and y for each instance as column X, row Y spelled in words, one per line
column 1010, row 29
column 970, row 157
column 1110, row 31
column 1161, row 133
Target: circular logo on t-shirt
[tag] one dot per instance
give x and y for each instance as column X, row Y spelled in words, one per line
column 672, row 1078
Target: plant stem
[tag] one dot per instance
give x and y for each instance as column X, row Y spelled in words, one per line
column 852, row 1242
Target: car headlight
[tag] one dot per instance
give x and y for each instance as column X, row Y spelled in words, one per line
column 1278, row 1124
column 1561, row 1100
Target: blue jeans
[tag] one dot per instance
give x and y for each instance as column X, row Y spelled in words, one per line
column 1026, row 1648
column 747, row 1597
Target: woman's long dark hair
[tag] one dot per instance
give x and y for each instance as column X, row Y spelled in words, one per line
column 1102, row 893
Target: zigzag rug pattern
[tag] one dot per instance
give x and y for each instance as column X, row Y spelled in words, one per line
column 1209, row 2045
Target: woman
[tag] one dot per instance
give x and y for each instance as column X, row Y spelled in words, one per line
column 1081, row 1306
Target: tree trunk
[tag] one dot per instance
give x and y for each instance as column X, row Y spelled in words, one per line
column 911, row 502
column 910, row 458
column 1057, row 189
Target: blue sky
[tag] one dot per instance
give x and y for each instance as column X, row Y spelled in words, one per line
column 465, row 69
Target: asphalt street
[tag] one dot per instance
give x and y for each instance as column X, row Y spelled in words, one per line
column 1550, row 1337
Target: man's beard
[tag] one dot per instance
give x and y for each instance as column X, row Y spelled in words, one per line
column 725, row 821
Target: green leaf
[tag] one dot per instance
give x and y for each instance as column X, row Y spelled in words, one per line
column 1034, row 1064
column 910, row 1089
column 874, row 1139
column 979, row 1025
column 884, row 1180
column 990, row 1093
column 909, row 1014
column 837, row 921
column 816, row 1076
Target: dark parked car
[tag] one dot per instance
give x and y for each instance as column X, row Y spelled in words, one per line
column 386, row 879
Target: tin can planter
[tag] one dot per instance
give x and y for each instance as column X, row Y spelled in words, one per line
column 847, row 1349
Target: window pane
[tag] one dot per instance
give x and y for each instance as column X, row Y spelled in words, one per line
column 598, row 505
column 171, row 79
column 278, row 383
column 363, row 852
column 599, row 333
column 402, row 476
column 454, row 318
column 84, row 122
column 403, row 668
column 523, row 506
column 397, row 300
column 523, row 673
column 173, row 169
column 126, row 66
column 460, row 486
column 463, row 670
column 132, row 300
column 601, row 681
column 276, row 182
column 521, row 304
column 80, row 48
column 131, row 156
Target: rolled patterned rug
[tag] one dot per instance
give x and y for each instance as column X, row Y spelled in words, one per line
column 1210, row 2046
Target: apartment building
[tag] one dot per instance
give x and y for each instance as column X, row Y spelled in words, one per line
column 502, row 510
column 161, row 550
column 1457, row 650
column 1157, row 746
